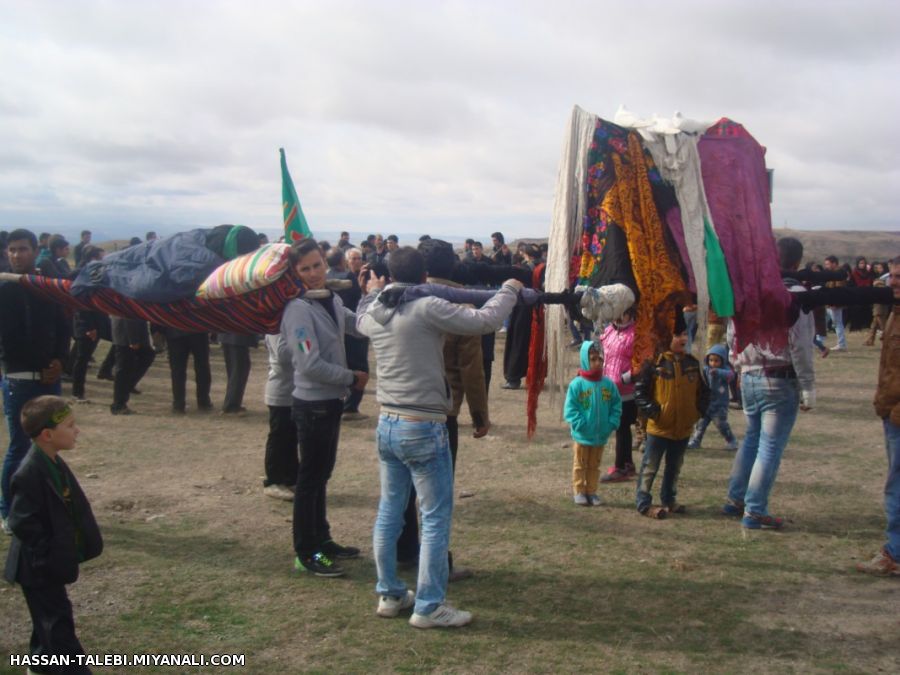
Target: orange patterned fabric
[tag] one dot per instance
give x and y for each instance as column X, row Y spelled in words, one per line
column 623, row 169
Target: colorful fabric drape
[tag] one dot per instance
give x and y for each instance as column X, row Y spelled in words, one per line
column 619, row 192
column 737, row 191
column 254, row 312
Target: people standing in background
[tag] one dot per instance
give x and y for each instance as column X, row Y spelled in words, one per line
column 836, row 314
column 392, row 243
column 134, row 356
column 182, row 345
column 89, row 328
column 356, row 347
column 55, row 264
column 880, row 313
column 79, row 247
column 344, row 241
column 43, row 250
column 501, row 254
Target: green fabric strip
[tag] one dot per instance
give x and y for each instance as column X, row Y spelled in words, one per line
column 721, row 293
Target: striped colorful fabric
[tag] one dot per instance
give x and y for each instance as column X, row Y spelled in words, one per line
column 255, row 312
column 246, row 273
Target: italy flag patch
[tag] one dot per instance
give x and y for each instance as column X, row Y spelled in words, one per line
column 303, row 342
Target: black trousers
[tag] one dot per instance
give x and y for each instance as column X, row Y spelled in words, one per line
column 408, row 543
column 105, row 371
column 518, row 337
column 623, row 435
column 180, row 349
column 53, row 627
column 318, row 431
column 487, row 358
column 82, row 352
column 131, row 366
column 237, row 368
column 357, row 350
column 281, row 447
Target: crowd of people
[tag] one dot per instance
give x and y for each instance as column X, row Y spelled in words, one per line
column 433, row 352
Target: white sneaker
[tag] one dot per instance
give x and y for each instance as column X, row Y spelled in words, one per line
column 389, row 607
column 594, row 500
column 276, row 491
column 5, row 527
column 444, row 616
column 581, row 499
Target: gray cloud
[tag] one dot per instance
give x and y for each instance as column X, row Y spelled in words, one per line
column 423, row 115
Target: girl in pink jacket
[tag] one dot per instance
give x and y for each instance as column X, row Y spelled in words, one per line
column 618, row 345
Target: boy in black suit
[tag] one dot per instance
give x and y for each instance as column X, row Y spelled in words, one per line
column 54, row 530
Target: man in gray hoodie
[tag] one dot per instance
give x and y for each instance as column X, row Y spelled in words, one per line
column 413, row 446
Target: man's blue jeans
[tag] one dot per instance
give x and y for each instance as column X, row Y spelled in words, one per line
column 770, row 406
column 414, row 453
column 16, row 393
column 892, row 489
column 837, row 318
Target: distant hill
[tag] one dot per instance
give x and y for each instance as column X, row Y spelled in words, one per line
column 847, row 245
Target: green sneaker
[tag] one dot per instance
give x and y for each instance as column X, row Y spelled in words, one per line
column 319, row 564
column 334, row 550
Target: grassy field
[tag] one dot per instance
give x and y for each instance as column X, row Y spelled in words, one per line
column 198, row 561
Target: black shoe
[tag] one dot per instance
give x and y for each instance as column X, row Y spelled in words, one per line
column 123, row 410
column 178, row 410
column 319, row 564
column 511, row 384
column 106, row 376
column 205, row 407
column 136, row 391
column 334, row 550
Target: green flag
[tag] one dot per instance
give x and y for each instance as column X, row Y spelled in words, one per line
column 295, row 226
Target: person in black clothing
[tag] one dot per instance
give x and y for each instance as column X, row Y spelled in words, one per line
column 182, row 345
column 54, row 531
column 518, row 335
column 89, row 329
column 33, row 343
column 134, row 356
column 56, row 265
column 4, row 260
column 80, row 246
column 501, row 253
column 236, row 349
column 356, row 348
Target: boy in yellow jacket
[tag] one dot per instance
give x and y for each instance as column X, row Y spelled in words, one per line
column 671, row 392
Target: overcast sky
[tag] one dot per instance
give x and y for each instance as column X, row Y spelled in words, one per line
column 426, row 116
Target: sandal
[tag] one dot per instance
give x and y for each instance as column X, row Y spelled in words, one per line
column 675, row 507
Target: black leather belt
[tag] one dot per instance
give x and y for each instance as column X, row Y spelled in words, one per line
column 782, row 372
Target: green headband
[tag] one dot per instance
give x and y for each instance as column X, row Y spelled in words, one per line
column 58, row 417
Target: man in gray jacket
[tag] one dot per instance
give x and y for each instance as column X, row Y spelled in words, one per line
column 413, row 446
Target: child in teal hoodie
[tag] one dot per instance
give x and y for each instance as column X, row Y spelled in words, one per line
column 593, row 410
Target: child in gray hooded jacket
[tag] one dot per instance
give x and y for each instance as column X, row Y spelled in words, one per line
column 719, row 375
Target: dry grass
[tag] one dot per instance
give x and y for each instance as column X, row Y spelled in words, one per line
column 197, row 560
